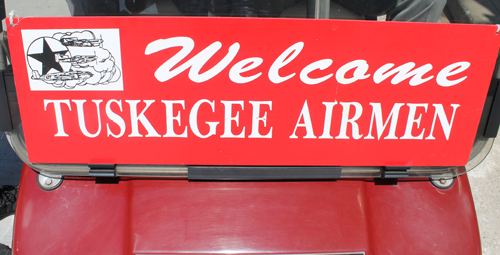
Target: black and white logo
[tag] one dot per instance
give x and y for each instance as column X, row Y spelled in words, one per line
column 73, row 59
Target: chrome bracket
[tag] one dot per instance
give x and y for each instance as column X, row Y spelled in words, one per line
column 48, row 183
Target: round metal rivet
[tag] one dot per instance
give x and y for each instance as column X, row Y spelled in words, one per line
column 443, row 182
column 48, row 183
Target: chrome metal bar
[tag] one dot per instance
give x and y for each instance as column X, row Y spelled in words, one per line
column 318, row 9
column 432, row 171
column 152, row 171
column 360, row 172
column 481, row 148
column 59, row 170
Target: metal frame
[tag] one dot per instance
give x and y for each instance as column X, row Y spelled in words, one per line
column 16, row 140
column 318, row 9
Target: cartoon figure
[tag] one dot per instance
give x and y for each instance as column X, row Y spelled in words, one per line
column 68, row 60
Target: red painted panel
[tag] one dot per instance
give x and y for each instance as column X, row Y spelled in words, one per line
column 268, row 96
column 79, row 217
column 415, row 218
column 177, row 216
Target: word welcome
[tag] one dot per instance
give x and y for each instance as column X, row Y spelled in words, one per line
column 358, row 68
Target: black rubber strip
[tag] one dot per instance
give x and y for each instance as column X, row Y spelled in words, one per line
column 263, row 173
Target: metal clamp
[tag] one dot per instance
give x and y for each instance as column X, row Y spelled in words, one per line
column 395, row 172
column 102, row 170
column 48, row 183
column 444, row 182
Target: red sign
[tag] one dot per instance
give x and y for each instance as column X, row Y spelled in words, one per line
column 241, row 91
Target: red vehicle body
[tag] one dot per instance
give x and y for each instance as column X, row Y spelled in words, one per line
column 150, row 215
column 178, row 217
